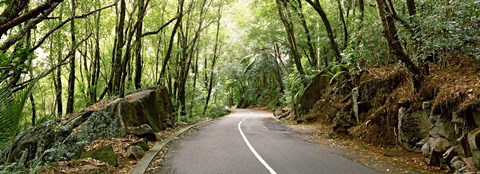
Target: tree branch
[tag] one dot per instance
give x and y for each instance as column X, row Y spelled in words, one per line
column 41, row 9
column 15, row 38
column 61, row 63
column 161, row 27
column 13, row 10
column 66, row 21
column 395, row 16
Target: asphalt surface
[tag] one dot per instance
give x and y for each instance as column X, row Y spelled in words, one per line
column 220, row 147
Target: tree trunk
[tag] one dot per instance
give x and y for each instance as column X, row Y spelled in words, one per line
column 117, row 58
column 345, row 29
column 285, row 17
column 96, row 62
column 138, row 45
column 186, row 55
column 71, row 77
column 394, row 15
column 411, row 7
column 195, row 76
column 34, row 111
column 361, row 5
column 58, row 82
column 278, row 55
column 214, row 60
column 318, row 7
column 390, row 33
column 172, row 38
column 311, row 47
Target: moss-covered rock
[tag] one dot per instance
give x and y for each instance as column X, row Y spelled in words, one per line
column 104, row 123
column 104, row 154
column 135, row 152
column 65, row 140
column 143, row 143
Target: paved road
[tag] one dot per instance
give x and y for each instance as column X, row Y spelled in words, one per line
column 252, row 142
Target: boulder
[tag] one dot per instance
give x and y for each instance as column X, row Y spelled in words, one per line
column 104, row 154
column 104, row 123
column 152, row 107
column 474, row 143
column 442, row 127
column 135, row 152
column 36, row 140
column 440, row 145
column 428, row 155
column 143, row 143
column 434, row 149
column 65, row 140
column 144, row 131
column 413, row 127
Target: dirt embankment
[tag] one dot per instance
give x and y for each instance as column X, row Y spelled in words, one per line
column 441, row 120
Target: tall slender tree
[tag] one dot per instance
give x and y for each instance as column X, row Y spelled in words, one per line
column 71, row 77
column 285, row 16
column 311, row 47
column 319, row 9
column 390, row 33
column 215, row 56
column 116, row 75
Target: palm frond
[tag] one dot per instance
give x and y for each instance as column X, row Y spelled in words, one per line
column 11, row 109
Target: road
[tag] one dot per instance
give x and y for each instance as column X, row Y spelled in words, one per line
column 252, row 142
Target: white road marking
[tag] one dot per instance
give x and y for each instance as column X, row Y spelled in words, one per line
column 252, row 149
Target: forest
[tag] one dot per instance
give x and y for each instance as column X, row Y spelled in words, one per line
column 59, row 57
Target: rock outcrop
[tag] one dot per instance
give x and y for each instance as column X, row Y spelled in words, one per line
column 441, row 120
column 312, row 93
column 413, row 128
column 138, row 110
column 65, row 140
column 454, row 140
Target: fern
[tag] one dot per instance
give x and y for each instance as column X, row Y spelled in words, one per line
column 11, row 109
column 334, row 72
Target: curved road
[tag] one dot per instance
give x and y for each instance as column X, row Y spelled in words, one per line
column 251, row 142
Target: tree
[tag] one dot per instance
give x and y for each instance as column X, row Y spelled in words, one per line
column 311, row 47
column 318, row 7
column 390, row 33
column 285, row 16
column 172, row 39
column 214, row 59
column 116, row 74
column 71, row 77
column 142, row 6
